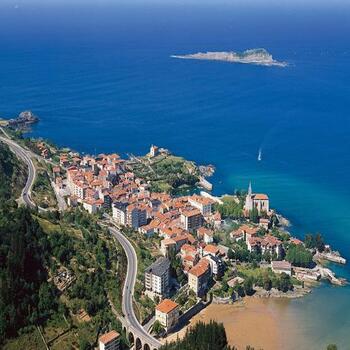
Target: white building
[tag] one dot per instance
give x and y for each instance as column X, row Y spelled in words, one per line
column 119, row 212
column 167, row 313
column 109, row 341
column 90, row 205
column 281, row 266
column 191, row 219
column 157, row 277
column 136, row 215
column 204, row 204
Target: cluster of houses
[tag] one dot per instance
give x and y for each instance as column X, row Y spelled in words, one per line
column 43, row 149
column 186, row 224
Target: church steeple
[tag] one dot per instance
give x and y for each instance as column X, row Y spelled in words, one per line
column 250, row 188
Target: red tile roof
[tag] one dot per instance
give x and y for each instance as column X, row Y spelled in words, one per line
column 108, row 337
column 166, row 306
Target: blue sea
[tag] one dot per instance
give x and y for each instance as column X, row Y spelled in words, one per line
column 101, row 79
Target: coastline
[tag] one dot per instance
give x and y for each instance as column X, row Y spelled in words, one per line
column 253, row 321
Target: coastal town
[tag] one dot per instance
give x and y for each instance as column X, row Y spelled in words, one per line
column 191, row 248
column 204, row 248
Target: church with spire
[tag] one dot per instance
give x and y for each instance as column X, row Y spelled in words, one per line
column 260, row 201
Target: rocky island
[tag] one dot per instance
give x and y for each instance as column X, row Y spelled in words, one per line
column 24, row 119
column 259, row 57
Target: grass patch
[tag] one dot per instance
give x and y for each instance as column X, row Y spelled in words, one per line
column 27, row 341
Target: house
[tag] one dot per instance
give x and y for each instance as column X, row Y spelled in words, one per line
column 147, row 230
column 295, row 241
column 167, row 313
column 89, row 205
column 191, row 219
column 254, row 244
column 56, row 170
column 188, row 261
column 109, row 341
column 199, row 277
column 244, row 232
column 204, row 204
column 259, row 201
column 167, row 245
column 281, row 266
column 266, row 244
column 235, row 281
column 205, row 234
column 157, row 277
column 210, row 249
column 188, row 249
column 271, row 245
column 264, row 223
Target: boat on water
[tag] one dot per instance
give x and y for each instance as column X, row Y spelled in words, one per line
column 259, row 155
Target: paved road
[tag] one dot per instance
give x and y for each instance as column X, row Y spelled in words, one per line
column 24, row 155
column 128, row 290
column 62, row 205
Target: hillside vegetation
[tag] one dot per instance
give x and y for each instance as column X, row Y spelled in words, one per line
column 12, row 174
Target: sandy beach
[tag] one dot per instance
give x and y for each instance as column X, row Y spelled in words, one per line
column 255, row 322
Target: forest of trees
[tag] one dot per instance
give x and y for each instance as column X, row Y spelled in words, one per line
column 202, row 336
column 25, row 296
column 298, row 255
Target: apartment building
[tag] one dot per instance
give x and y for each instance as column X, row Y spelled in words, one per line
column 157, row 277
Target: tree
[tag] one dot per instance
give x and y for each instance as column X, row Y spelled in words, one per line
column 84, row 344
column 267, row 283
column 309, row 241
column 285, row 283
column 157, row 328
column 319, row 243
column 202, row 336
column 230, row 254
column 254, row 215
column 332, row 347
column 299, row 256
column 248, row 286
column 267, row 256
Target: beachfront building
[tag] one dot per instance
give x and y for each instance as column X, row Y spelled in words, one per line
column 259, row 201
column 281, row 266
column 267, row 244
column 167, row 313
column 191, row 219
column 157, row 278
column 109, row 341
column 199, row 277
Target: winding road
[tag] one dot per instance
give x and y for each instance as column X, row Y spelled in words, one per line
column 24, row 155
column 128, row 291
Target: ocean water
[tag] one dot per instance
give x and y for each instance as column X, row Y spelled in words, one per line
column 101, row 79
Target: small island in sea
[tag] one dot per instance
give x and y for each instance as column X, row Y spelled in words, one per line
column 259, row 57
